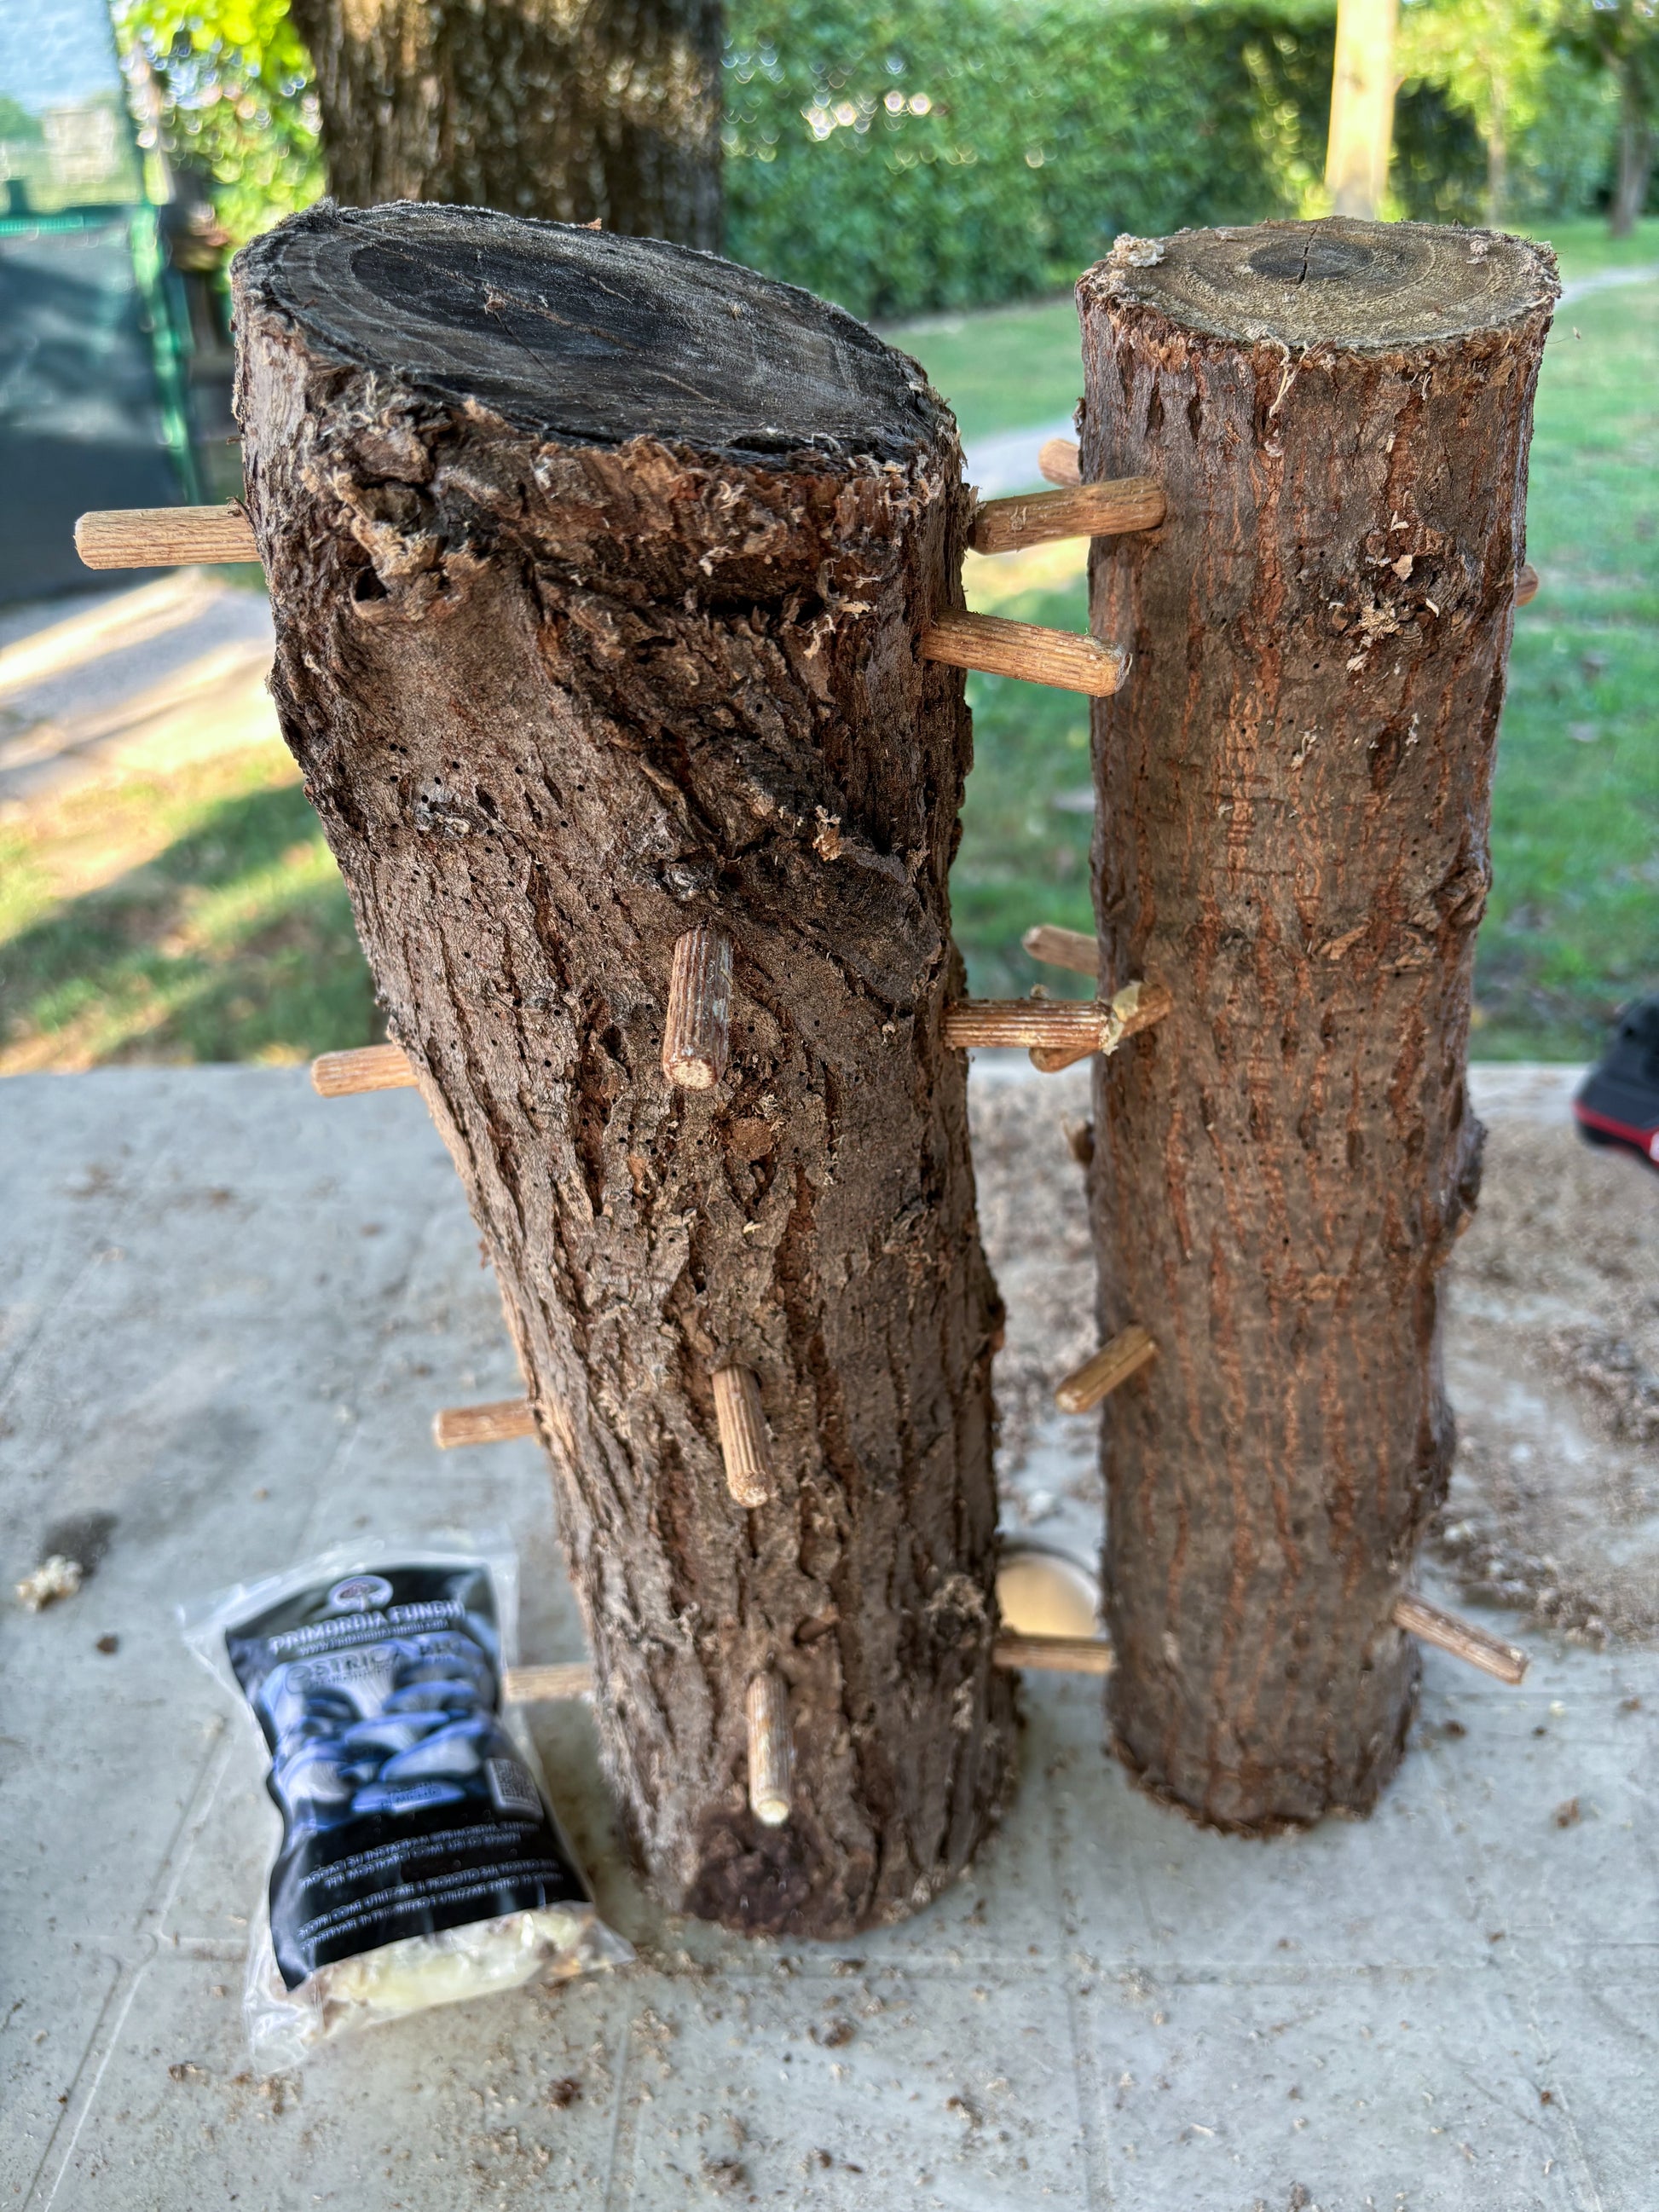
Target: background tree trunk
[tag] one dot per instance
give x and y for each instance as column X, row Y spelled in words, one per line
column 1630, row 193
column 1293, row 801
column 603, row 110
column 598, row 570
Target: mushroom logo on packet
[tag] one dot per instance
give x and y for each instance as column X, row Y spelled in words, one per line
column 419, row 1861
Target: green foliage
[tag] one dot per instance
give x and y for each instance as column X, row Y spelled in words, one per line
column 942, row 152
column 238, row 104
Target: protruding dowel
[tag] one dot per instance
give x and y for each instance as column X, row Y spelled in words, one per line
column 1447, row 1633
column 696, row 1038
column 997, row 648
column 1526, row 584
column 743, row 1445
column 771, row 1749
column 1073, row 948
column 1124, row 1355
column 1095, row 510
column 1077, row 1025
column 1136, row 1006
column 495, row 1424
column 529, row 1686
column 1059, row 461
column 369, row 1068
column 164, row 537
column 1054, row 1654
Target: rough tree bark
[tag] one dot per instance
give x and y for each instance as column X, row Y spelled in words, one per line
column 1294, row 796
column 581, row 111
column 598, row 569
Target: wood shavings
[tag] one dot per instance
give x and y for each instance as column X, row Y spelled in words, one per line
column 55, row 1578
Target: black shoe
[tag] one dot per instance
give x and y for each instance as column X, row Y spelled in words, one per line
column 1618, row 1103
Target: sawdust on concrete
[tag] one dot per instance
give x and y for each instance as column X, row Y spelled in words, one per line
column 1552, row 1344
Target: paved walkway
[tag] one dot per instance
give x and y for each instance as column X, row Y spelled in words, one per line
column 226, row 1312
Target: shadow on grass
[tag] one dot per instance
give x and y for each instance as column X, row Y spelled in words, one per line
column 236, row 942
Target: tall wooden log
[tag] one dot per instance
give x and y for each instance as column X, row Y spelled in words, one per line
column 1293, row 801
column 598, row 567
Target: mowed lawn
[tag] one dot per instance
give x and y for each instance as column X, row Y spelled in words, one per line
column 198, row 916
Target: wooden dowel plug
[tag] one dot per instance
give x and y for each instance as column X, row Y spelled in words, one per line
column 1136, row 1006
column 998, row 647
column 1526, row 584
column 1075, row 1025
column 370, row 1067
column 743, row 1445
column 529, row 1686
column 1055, row 1655
column 1095, row 510
column 1059, row 461
column 696, row 1038
column 1447, row 1633
column 164, row 537
column 1125, row 1355
column 495, row 1424
column 1071, row 948
column 771, row 1749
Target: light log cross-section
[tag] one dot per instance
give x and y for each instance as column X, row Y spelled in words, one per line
column 599, row 569
column 1292, row 804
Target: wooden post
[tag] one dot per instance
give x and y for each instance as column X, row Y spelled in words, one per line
column 1293, row 798
column 599, row 569
column 1362, row 108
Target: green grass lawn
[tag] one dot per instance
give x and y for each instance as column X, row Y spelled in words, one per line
column 199, row 917
column 1573, row 924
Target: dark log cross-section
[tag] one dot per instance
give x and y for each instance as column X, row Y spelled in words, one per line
column 598, row 567
column 1294, row 797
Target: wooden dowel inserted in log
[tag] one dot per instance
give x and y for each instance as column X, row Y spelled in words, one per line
column 493, row 1424
column 164, row 537
column 696, row 1037
column 1136, row 1006
column 1095, row 510
column 1124, row 1355
column 1077, row 1025
column 1071, row 948
column 1526, row 584
column 1447, row 1633
column 743, row 1444
column 1060, row 460
column 771, row 1749
column 369, row 1068
column 1062, row 658
column 529, row 1686
column 1055, row 1655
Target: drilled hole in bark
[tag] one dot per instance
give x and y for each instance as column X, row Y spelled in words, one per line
column 366, row 587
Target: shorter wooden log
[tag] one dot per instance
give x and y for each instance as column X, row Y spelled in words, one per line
column 529, row 1686
column 164, row 537
column 1095, row 510
column 1526, row 584
column 1122, row 1356
column 1073, row 949
column 1136, row 1006
column 743, row 1444
column 696, row 1038
column 1060, row 460
column 493, row 1424
column 1062, row 658
column 368, row 1067
column 771, row 1749
column 1460, row 1638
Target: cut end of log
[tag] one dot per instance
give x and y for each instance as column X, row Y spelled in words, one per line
column 1073, row 949
column 743, row 1444
column 1124, row 1355
column 1054, row 1654
column 164, row 537
column 697, row 1035
column 370, row 1067
column 996, row 647
column 493, row 1424
column 1059, row 461
column 534, row 1686
column 1095, row 510
column 1526, row 584
column 771, row 1750
column 1460, row 1638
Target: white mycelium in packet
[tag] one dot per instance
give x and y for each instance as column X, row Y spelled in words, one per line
column 419, row 1863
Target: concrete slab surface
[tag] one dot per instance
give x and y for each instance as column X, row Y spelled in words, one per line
column 227, row 1310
